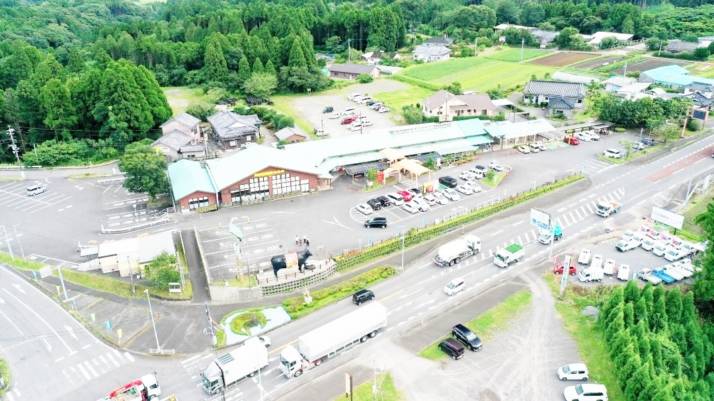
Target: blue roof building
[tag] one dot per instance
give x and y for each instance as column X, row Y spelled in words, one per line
column 677, row 77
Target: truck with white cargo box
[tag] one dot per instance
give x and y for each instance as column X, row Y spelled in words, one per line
column 591, row 274
column 457, row 250
column 511, row 254
column 605, row 208
column 326, row 341
column 230, row 368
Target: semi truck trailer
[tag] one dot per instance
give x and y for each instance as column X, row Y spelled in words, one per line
column 455, row 251
column 322, row 343
column 230, row 368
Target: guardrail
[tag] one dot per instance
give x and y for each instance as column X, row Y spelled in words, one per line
column 294, row 280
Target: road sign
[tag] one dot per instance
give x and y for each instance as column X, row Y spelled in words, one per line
column 540, row 219
column 566, row 273
column 666, row 217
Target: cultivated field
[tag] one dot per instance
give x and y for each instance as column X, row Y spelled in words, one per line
column 703, row 69
column 597, row 62
column 562, row 59
column 514, row 54
column 476, row 73
column 648, row 63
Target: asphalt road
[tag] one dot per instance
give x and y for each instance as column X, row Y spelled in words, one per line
column 51, row 364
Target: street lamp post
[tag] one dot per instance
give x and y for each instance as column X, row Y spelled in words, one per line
column 153, row 323
column 6, row 239
column 64, row 289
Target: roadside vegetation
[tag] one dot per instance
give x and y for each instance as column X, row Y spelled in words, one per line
column 242, row 323
column 383, row 383
column 297, row 308
column 493, row 178
column 4, row 377
column 697, row 205
column 487, row 324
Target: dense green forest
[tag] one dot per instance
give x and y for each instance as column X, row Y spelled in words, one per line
column 60, row 59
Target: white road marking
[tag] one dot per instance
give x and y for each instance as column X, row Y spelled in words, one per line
column 47, row 344
column 129, row 356
column 18, row 288
column 90, row 369
column 71, row 332
column 84, row 372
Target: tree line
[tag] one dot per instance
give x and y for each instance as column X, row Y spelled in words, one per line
column 660, row 348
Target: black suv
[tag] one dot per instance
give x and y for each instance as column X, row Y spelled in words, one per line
column 384, row 201
column 452, row 348
column 448, row 181
column 362, row 296
column 467, row 337
column 376, row 222
column 375, row 203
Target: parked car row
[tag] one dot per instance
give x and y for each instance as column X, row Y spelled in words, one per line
column 662, row 244
column 534, row 147
column 462, row 338
column 669, row 273
column 597, row 267
column 365, row 99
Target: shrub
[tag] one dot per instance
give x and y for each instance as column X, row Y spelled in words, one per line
column 364, row 78
column 162, row 270
column 694, row 125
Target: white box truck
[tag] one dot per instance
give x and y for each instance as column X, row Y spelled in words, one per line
column 230, row 368
column 511, row 254
column 326, row 341
column 455, row 251
column 591, row 274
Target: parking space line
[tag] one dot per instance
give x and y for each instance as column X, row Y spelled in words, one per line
column 577, row 212
column 590, row 209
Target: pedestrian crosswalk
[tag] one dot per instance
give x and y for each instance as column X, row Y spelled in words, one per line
column 99, row 365
column 592, row 166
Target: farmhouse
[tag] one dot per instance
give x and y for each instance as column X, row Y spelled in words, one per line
column 429, row 53
column 560, row 98
column 176, row 133
column 677, row 77
column 446, row 105
column 680, row 46
column 232, row 130
column 263, row 172
column 352, row 71
column 545, row 38
column 439, row 41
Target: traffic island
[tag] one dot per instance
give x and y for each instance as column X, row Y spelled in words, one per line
column 488, row 323
column 239, row 325
column 494, row 178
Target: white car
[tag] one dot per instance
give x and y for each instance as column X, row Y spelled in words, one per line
column 396, row 199
column 451, row 195
column 524, row 149
column 465, row 189
column 454, row 286
column 538, row 145
column 35, row 189
column 440, row 198
column 421, row 204
column 476, row 173
column 534, row 148
column 383, row 110
column 585, row 392
column 659, row 248
column 584, row 257
column 583, row 136
column 612, row 153
column 625, row 245
column 609, row 267
column 364, row 208
column 596, row 262
column 410, row 207
column 623, row 273
column 467, row 175
column 573, row 371
column 594, row 136
column 474, row 187
column 495, row 166
column 430, row 199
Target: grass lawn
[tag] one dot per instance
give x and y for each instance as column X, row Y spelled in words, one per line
column 397, row 99
column 5, row 374
column 631, row 155
column 283, row 104
column 387, row 390
column 495, row 179
column 477, row 73
column 697, row 205
column 242, row 323
column 513, row 54
column 590, row 340
column 486, row 325
column 242, row 281
column 220, row 339
column 182, row 97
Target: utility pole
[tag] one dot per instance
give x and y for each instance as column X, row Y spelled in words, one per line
column 349, row 51
column 476, row 46
column 153, row 323
column 210, row 322
column 7, row 241
column 624, row 71
column 523, row 42
column 64, row 289
column 13, row 146
column 686, row 119
column 19, row 242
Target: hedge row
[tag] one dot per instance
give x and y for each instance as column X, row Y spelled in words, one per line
column 416, row 236
column 296, row 306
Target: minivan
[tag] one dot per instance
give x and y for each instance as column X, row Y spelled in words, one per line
column 454, row 286
column 395, row 199
column 585, row 392
column 467, row 337
column 613, row 153
column 573, row 371
column 448, row 181
column 35, row 189
column 452, row 348
column 362, row 296
column 376, row 222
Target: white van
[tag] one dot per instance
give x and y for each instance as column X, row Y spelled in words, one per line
column 35, row 189
column 454, row 286
column 573, row 371
column 612, row 153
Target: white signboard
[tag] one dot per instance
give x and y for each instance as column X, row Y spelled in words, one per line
column 540, row 219
column 666, row 217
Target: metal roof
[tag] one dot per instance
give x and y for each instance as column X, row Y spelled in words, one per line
column 351, row 68
column 555, row 88
column 675, row 75
column 431, row 50
column 188, row 177
column 228, row 125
